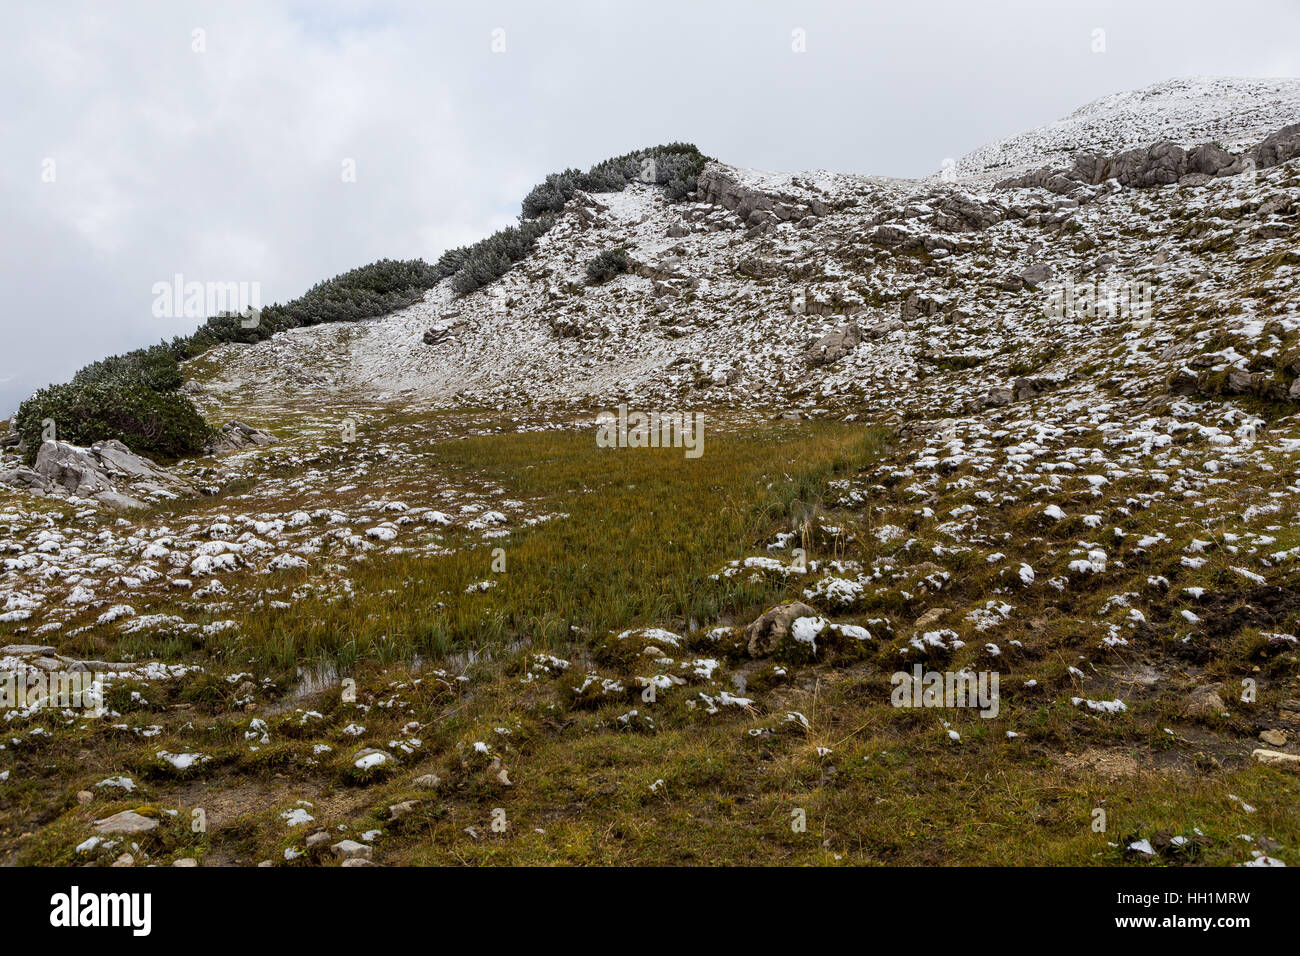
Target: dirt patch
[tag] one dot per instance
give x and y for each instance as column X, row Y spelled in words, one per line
column 1111, row 764
column 1263, row 606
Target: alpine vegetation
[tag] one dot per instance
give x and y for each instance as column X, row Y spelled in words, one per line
column 624, row 429
column 993, row 557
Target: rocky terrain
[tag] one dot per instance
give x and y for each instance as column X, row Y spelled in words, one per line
column 1037, row 419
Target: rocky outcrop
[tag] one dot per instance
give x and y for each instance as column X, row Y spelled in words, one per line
column 961, row 212
column 104, row 472
column 236, row 436
column 25, row 479
column 834, row 345
column 1161, row 164
column 759, row 211
column 1278, row 147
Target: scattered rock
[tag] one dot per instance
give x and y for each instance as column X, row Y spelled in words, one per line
column 1205, row 702
column 835, row 345
column 128, row 822
column 1274, row 738
column 350, row 850
column 772, row 628
column 1275, row 758
column 236, row 436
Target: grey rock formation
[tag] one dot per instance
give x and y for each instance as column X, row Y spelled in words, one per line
column 104, row 472
column 1160, row 164
column 236, row 436
column 835, row 345
column 1036, row 275
column 772, row 628
column 26, row 479
column 1278, row 147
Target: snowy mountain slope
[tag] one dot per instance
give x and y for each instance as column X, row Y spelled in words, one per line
column 1056, row 438
column 1230, row 110
column 719, row 310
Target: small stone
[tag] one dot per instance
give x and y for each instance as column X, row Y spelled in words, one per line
column 350, row 850
column 371, row 757
column 185, row 861
column 1205, row 702
column 932, row 616
column 1274, row 738
column 399, row 810
column 428, row 781
column 126, row 822
column 1274, row 758
column 126, row 859
column 356, row 861
column 319, row 838
column 265, row 863
column 84, row 797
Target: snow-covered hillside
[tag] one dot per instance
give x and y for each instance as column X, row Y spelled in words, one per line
column 730, row 291
column 1233, row 111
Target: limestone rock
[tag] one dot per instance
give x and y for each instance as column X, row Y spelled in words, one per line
column 26, row 479
column 772, row 628
column 236, row 435
column 1276, row 758
column 834, row 345
column 105, row 472
column 128, row 823
column 350, row 850
column 1205, row 702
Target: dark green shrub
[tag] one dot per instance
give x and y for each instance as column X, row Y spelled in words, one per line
column 492, row 257
column 608, row 264
column 158, row 424
column 154, row 367
column 674, row 166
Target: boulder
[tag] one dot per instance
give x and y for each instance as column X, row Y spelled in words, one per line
column 999, row 395
column 1205, row 702
column 128, row 823
column 350, row 850
column 26, row 479
column 73, row 469
column 1277, row 758
column 1036, row 275
column 1278, row 147
column 235, row 436
column 881, row 329
column 834, row 345
column 960, row 212
column 772, row 628
column 107, row 472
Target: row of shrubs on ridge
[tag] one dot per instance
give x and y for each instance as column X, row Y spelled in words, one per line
column 675, row 167
column 136, row 397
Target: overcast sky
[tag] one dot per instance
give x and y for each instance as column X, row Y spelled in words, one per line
column 133, row 148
